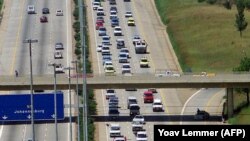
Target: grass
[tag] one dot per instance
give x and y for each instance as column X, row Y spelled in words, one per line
column 1, row 4
column 204, row 36
column 242, row 118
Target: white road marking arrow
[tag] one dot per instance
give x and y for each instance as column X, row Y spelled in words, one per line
column 4, row 117
column 28, row 116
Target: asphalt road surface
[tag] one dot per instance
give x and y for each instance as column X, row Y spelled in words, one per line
column 176, row 101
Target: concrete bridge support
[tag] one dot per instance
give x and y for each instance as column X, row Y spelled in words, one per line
column 230, row 102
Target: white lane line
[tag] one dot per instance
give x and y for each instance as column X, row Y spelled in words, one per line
column 24, row 131
column 45, row 134
column 1, row 131
column 184, row 107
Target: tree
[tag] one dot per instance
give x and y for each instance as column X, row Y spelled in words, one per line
column 244, row 66
column 241, row 23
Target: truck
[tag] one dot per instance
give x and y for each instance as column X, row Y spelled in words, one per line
column 141, row 47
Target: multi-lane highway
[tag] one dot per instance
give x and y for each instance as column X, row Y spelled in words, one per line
column 160, row 55
column 18, row 25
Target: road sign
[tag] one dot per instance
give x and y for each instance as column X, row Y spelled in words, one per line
column 17, row 107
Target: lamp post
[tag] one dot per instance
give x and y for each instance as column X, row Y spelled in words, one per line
column 78, row 108
column 70, row 106
column 30, row 41
column 55, row 100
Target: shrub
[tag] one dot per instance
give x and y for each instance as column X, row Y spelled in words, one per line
column 78, row 51
column 247, row 4
column 76, row 13
column 201, row 0
column 211, row 1
column 77, row 37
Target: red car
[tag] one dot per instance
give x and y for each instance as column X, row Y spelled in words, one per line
column 43, row 19
column 98, row 24
column 148, row 97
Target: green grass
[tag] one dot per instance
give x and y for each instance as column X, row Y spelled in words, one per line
column 242, row 118
column 1, row 4
column 204, row 36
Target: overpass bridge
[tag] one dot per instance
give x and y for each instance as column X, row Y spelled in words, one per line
column 233, row 80
column 46, row 82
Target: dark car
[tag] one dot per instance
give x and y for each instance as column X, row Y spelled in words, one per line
column 43, row 19
column 45, row 10
column 114, row 22
column 201, row 115
column 112, row 8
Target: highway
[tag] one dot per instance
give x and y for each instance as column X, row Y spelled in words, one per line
column 160, row 57
column 17, row 26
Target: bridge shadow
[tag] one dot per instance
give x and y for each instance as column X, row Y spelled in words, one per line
column 157, row 118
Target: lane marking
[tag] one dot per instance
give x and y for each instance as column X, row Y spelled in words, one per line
column 1, row 131
column 184, row 107
column 17, row 38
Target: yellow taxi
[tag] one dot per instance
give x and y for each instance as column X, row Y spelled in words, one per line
column 144, row 63
column 131, row 21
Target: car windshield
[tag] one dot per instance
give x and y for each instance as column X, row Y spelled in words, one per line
column 142, row 135
column 126, row 66
column 144, row 60
column 115, row 128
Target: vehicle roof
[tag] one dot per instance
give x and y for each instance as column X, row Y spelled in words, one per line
column 114, row 124
column 157, row 100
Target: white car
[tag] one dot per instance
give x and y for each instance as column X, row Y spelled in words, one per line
column 95, row 5
column 59, row 12
column 105, row 50
column 105, row 40
column 139, row 118
column 157, row 105
column 117, row 31
column 59, row 68
column 31, row 9
column 121, row 138
column 113, row 14
column 99, row 48
column 107, row 63
column 58, row 55
column 136, row 127
column 114, row 130
column 136, row 38
column 123, row 58
column 141, row 136
column 126, row 68
column 125, row 50
column 128, row 14
column 100, row 11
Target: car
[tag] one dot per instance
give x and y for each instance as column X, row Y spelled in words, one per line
column 43, row 19
column 113, row 8
column 201, row 115
column 144, row 63
column 98, row 24
column 106, row 63
column 31, row 9
column 114, row 99
column 58, row 55
column 59, row 12
column 114, row 22
column 125, row 50
column 157, row 106
column 139, row 118
column 134, row 109
column 113, row 114
column 106, row 40
column 131, row 21
column 100, row 18
column 148, row 97
column 109, row 70
column 128, row 14
column 131, row 100
column 102, row 31
column 99, row 48
column 59, row 46
column 29, row 139
column 126, row 68
column 120, row 43
column 123, row 58
column 112, row 14
column 112, row 2
column 117, row 31
column 136, row 38
column 126, row 0
column 120, row 138
column 141, row 136
column 130, row 89
column 136, row 127
column 114, row 130
column 45, row 10
column 95, row 5
column 59, row 68
column 100, row 11
column 110, row 93
column 105, row 50
column 106, row 58
column 153, row 90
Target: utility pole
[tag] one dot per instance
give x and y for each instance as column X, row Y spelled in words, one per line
column 30, row 41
